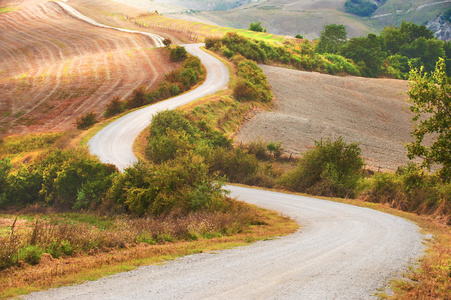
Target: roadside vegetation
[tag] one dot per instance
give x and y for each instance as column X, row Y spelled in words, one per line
column 65, row 205
column 298, row 55
column 333, row 168
column 176, row 195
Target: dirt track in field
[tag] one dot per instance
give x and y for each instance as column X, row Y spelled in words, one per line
column 310, row 106
column 55, row 68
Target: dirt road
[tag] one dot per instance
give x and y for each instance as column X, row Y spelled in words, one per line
column 341, row 252
column 113, row 144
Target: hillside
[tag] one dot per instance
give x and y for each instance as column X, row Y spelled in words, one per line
column 310, row 106
column 55, row 68
column 290, row 17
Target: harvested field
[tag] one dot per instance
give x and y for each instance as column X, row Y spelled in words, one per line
column 55, row 68
column 311, row 106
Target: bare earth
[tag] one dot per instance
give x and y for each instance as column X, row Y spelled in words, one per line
column 55, row 68
column 311, row 106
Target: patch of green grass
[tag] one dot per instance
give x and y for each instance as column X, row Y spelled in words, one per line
column 13, row 145
column 5, row 9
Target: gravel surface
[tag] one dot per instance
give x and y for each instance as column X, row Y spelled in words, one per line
column 113, row 144
column 341, row 252
column 310, row 106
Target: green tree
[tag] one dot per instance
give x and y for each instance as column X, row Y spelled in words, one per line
column 332, row 39
column 361, row 8
column 257, row 27
column 430, row 96
column 366, row 52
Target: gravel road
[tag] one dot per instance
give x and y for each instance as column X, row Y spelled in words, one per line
column 113, row 144
column 341, row 252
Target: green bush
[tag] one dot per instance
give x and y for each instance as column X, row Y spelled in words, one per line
column 113, row 108
column 31, row 254
column 330, row 169
column 138, row 98
column 86, row 121
column 178, row 53
column 257, row 27
column 183, row 183
column 58, row 248
column 68, row 179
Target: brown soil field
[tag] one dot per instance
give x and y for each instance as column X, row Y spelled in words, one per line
column 310, row 106
column 55, row 68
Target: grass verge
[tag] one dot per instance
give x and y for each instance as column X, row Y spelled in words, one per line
column 52, row 273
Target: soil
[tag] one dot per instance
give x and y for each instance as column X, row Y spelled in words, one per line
column 55, row 68
column 310, row 106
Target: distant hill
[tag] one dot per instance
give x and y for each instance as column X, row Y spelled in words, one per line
column 305, row 17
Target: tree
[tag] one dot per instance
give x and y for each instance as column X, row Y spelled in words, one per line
column 365, row 52
column 257, row 27
column 361, row 8
column 430, row 96
column 167, row 42
column 332, row 39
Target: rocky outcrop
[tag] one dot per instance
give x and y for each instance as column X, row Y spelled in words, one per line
column 440, row 27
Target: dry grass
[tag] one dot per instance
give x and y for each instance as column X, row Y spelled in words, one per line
column 57, row 272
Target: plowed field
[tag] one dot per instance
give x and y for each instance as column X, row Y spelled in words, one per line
column 55, row 68
column 311, row 106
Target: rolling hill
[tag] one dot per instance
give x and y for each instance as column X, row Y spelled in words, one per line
column 291, row 17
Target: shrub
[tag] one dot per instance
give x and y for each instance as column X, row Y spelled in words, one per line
column 167, row 42
column 257, row 27
column 138, row 98
column 113, row 108
column 68, row 174
column 330, row 169
column 31, row 254
column 275, row 149
column 86, row 121
column 178, row 53
column 183, row 183
column 257, row 148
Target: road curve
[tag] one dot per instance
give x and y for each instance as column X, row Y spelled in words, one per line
column 158, row 40
column 113, row 144
column 341, row 252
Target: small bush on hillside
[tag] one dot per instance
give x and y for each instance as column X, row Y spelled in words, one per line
column 86, row 121
column 332, row 168
column 167, row 42
column 113, row 108
column 257, row 27
column 138, row 98
column 178, row 53
column 275, row 149
column 257, row 148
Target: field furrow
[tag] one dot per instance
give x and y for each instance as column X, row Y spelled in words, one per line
column 55, row 67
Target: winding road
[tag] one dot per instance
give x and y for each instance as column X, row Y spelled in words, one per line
column 341, row 251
